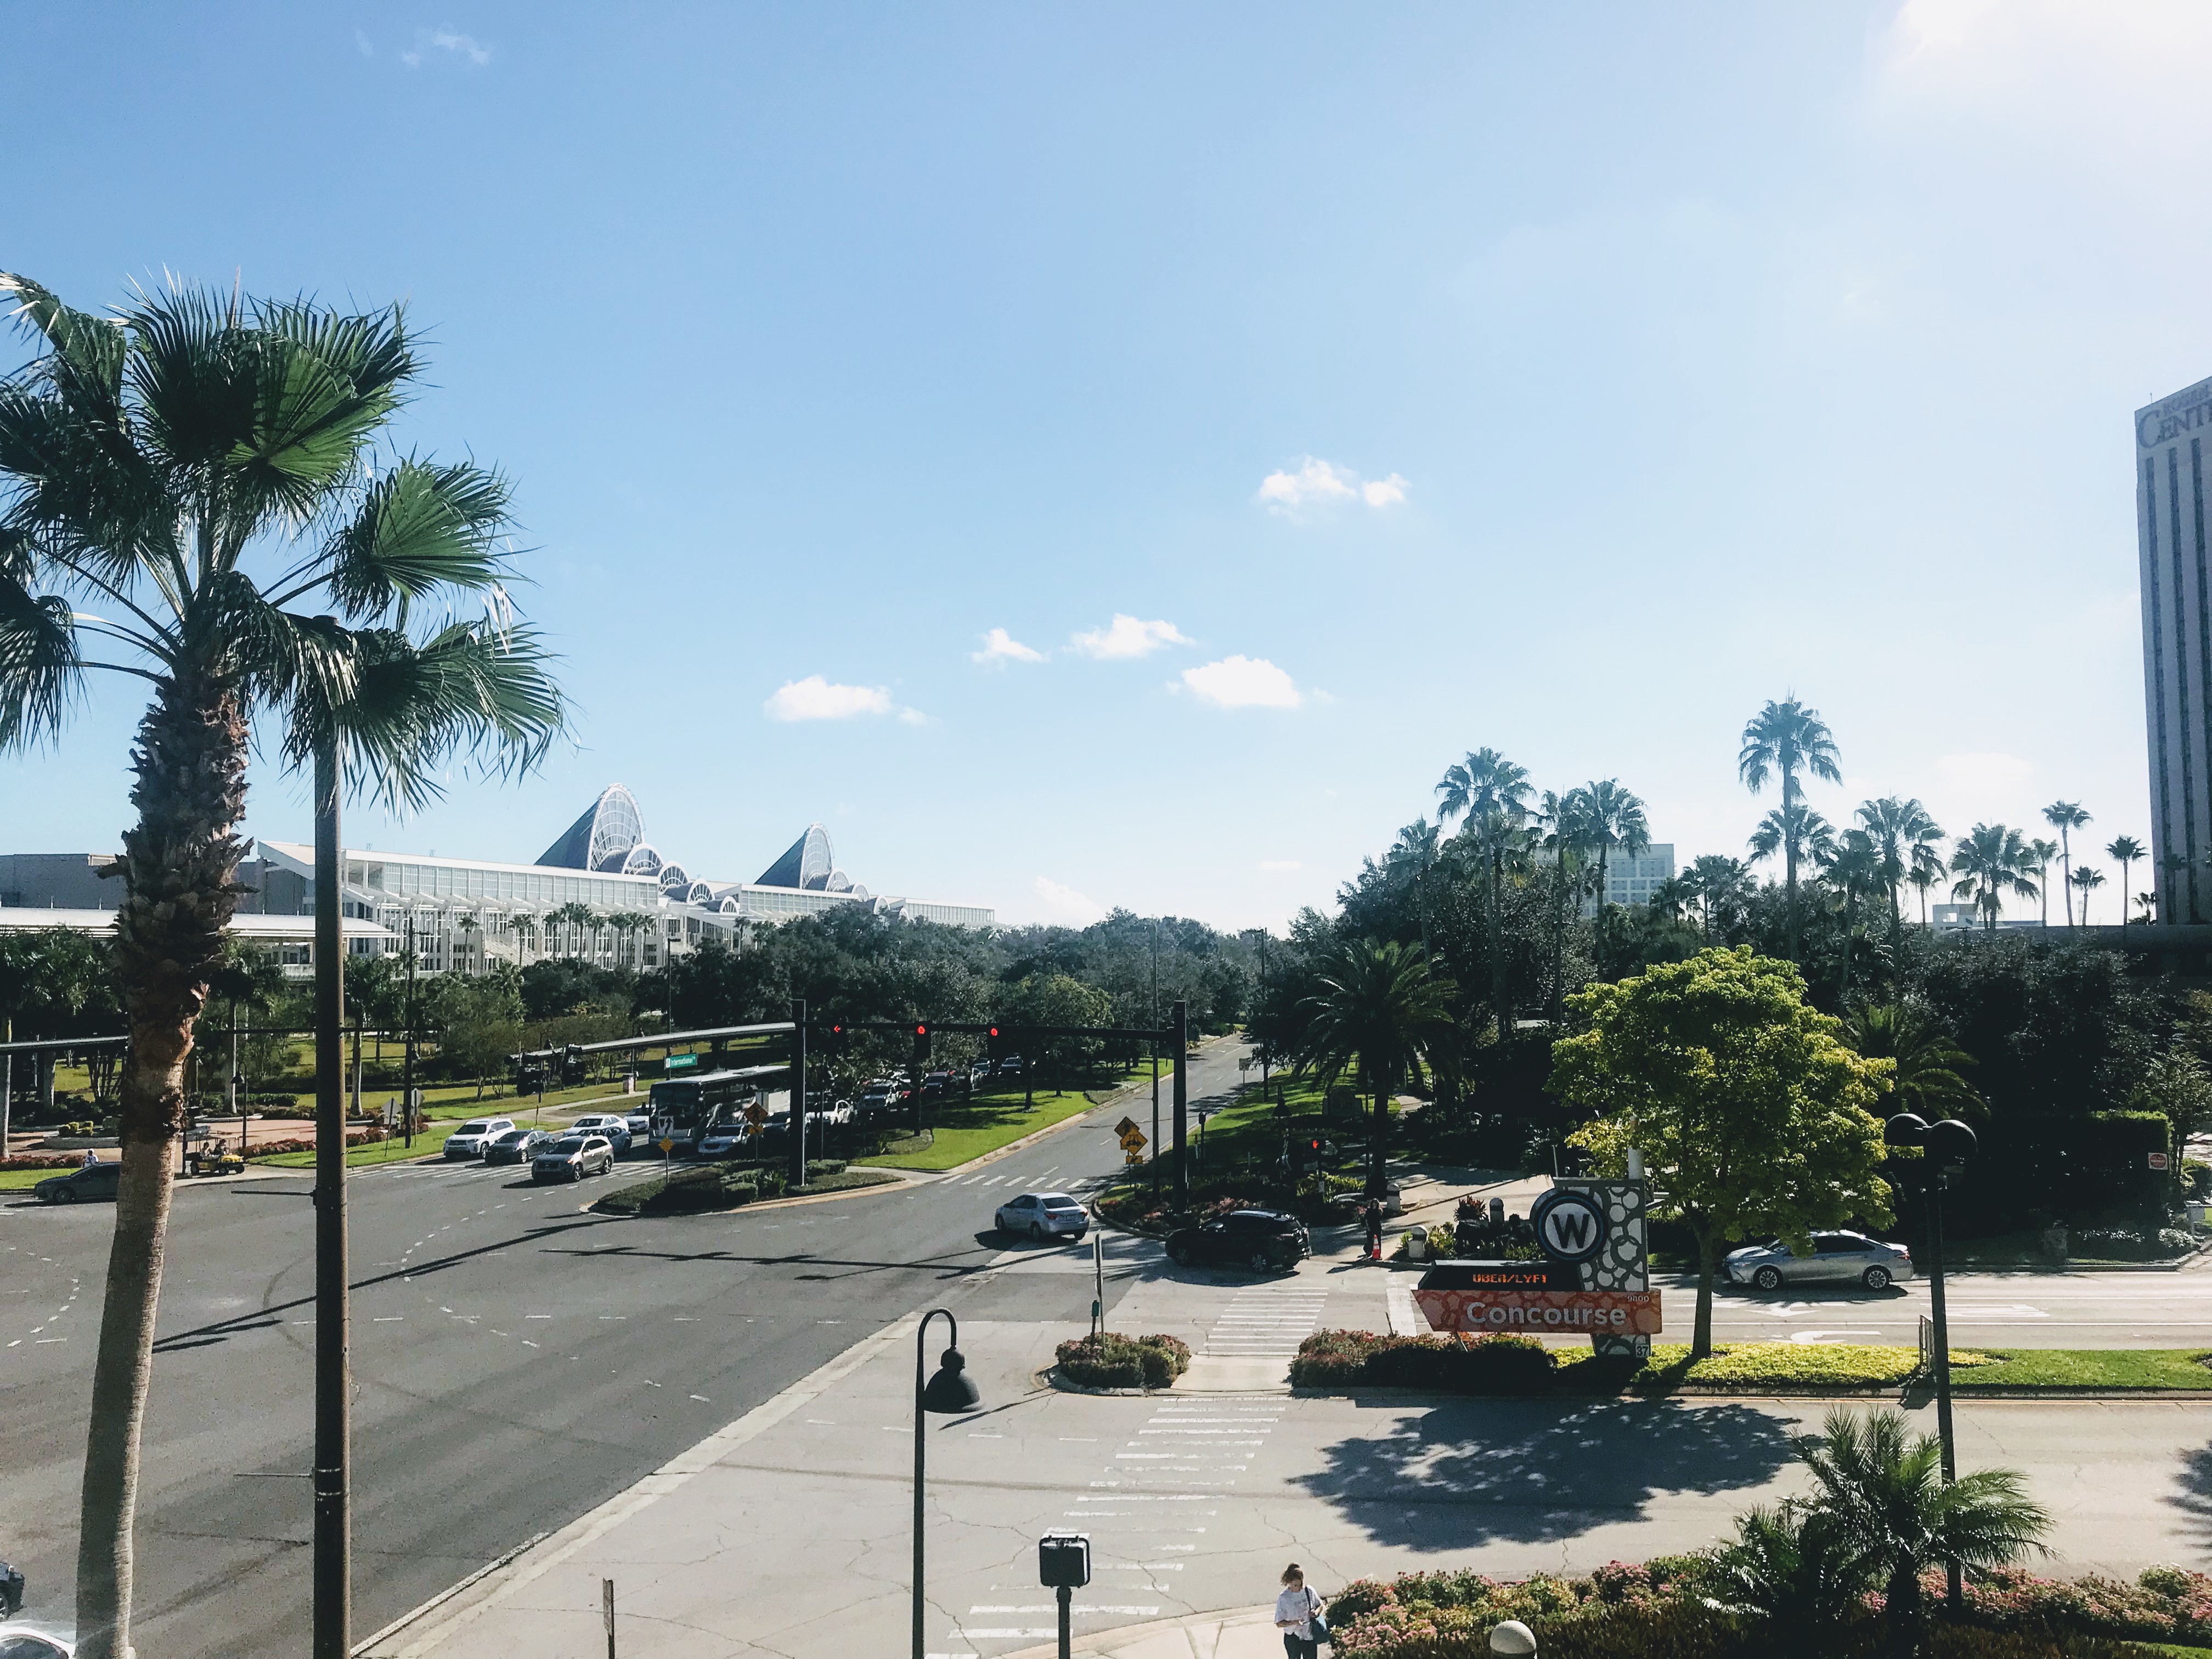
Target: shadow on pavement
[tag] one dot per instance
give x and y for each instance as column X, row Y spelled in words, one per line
column 1536, row 1471
column 2193, row 1493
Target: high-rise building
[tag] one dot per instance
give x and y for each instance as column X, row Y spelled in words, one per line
column 2177, row 631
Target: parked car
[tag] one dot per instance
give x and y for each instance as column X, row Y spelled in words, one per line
column 1010, row 1066
column 614, row 1127
column 1262, row 1240
column 89, row 1185
column 640, row 1124
column 937, row 1083
column 979, row 1074
column 22, row 1641
column 572, row 1157
column 1043, row 1215
column 516, row 1146
column 478, row 1132
column 1837, row 1259
column 837, row 1113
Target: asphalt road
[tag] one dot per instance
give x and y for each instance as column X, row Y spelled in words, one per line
column 516, row 1361
column 1993, row 1309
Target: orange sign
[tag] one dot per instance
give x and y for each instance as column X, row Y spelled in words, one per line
column 1558, row 1313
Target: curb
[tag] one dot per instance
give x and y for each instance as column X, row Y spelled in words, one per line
column 1716, row 1391
column 1052, row 1377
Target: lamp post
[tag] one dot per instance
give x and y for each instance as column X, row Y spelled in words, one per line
column 1943, row 1146
column 949, row 1393
column 333, row 1498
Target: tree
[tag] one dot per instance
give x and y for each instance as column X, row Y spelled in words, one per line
column 1926, row 873
column 201, row 472
column 1787, row 738
column 1380, row 1010
column 1751, row 1114
column 1881, row 1500
column 1925, row 1061
column 1854, row 864
column 1563, row 833
column 1797, row 832
column 1492, row 793
column 1905, row 837
column 1724, row 887
column 1990, row 861
column 2066, row 816
column 1786, row 1568
column 1412, row 856
column 2176, row 1085
column 2088, row 878
column 2039, row 855
column 2124, row 851
column 1611, row 817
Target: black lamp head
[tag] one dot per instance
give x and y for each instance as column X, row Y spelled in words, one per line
column 1905, row 1129
column 951, row 1391
column 1950, row 1141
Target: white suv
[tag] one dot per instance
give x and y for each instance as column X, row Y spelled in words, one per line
column 478, row 1132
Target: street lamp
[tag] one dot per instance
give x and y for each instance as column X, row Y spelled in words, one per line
column 1943, row 1146
column 949, row 1393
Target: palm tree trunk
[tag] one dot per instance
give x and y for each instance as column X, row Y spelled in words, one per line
column 1789, row 859
column 178, row 864
column 2066, row 864
column 1498, row 1010
column 1844, row 987
column 2124, row 895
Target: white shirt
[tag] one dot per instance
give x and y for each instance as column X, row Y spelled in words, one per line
column 1299, row 1604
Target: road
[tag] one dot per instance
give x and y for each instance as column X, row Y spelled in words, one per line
column 516, row 1360
column 1992, row 1310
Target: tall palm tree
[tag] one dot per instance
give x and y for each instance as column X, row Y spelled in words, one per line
column 1562, row 834
column 1787, row 737
column 1880, row 1488
column 1493, row 794
column 202, row 472
column 2148, row 903
column 2088, row 878
column 1723, row 886
column 1903, row 832
column 2125, row 850
column 2041, row 854
column 1797, row 832
column 1926, row 1077
column 1382, row 1010
column 1926, row 873
column 1991, row 861
column 1854, row 864
column 1411, row 858
column 1612, row 817
column 2065, row 815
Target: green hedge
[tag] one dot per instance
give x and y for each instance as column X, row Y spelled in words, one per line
column 1450, row 1365
column 1112, row 1361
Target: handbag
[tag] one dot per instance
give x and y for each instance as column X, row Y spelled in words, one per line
column 1316, row 1623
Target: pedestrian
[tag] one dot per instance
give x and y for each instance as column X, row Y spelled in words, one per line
column 91, row 1157
column 1373, row 1217
column 1298, row 1615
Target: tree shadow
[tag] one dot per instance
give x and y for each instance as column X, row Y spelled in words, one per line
column 1530, row 1471
column 2192, row 1495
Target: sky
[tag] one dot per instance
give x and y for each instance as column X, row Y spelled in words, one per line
column 1122, row 456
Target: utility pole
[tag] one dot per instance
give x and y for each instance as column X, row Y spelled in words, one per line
column 1156, row 1055
column 1179, row 1034
column 333, row 1513
column 798, row 1147
column 407, row 1061
column 8, row 1079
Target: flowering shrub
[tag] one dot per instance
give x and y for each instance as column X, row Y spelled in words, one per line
column 1113, row 1361
column 1462, row 1363
column 42, row 1161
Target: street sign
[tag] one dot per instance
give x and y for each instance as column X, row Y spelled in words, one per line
column 680, row 1063
column 2160, row 1161
column 1560, row 1313
column 1132, row 1138
column 1570, row 1225
column 756, row 1114
column 667, row 1145
column 1132, row 1158
column 1125, row 1126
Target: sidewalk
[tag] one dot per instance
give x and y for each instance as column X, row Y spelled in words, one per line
column 1238, row 1633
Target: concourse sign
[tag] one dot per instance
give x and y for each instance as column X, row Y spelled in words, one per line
column 1572, row 1228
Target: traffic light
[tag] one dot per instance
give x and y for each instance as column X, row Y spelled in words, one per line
column 572, row 1065
column 991, row 1044
column 921, row 1045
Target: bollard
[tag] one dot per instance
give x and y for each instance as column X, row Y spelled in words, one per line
column 1417, row 1244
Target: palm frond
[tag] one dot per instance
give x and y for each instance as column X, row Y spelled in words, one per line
column 420, row 526
column 38, row 666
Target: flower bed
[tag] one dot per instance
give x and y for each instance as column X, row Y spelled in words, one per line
column 1112, row 1361
column 1453, row 1365
column 1665, row 1609
column 42, row 1161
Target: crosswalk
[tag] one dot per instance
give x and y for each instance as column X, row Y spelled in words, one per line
column 1265, row 1321
column 1041, row 1183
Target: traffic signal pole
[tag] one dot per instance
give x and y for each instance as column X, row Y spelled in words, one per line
column 332, row 1615
column 1180, row 1029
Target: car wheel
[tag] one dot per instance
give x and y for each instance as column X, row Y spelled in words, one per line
column 1261, row 1262
column 1876, row 1278
column 1037, row 1232
column 1768, row 1279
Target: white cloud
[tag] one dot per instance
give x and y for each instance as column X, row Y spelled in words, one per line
column 1126, row 637
column 1243, row 683
column 1278, row 865
column 816, row 699
column 1063, row 904
column 1000, row 648
column 463, row 45
column 361, row 44
column 1322, row 484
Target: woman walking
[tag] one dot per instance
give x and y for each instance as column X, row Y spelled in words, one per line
column 1298, row 1615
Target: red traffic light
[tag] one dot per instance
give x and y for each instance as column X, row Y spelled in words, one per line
column 994, row 1030
column 836, row 1030
column 921, row 1031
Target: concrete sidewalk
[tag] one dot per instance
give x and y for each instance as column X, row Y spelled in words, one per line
column 1239, row 1633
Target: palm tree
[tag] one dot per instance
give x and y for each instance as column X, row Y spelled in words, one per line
column 1992, row 861
column 1905, row 834
column 1562, row 834
column 1492, row 793
column 2065, row 816
column 1611, row 817
column 1854, row 864
column 1784, row 1568
column 2088, row 878
column 1723, row 886
column 2125, row 850
column 1413, row 855
column 1926, row 1076
column 2039, row 855
column 1670, row 897
column 1787, row 737
column 1380, row 1009
column 1797, row 832
column 201, row 472
column 1888, row 1514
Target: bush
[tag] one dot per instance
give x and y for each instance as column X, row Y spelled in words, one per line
column 42, row 1161
column 1462, row 1363
column 1112, row 1361
column 2131, row 1243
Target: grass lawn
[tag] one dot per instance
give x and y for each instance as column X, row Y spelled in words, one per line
column 394, row 1151
column 966, row 1129
column 12, row 1181
column 2087, row 1367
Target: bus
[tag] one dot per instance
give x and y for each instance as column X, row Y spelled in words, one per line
column 683, row 1108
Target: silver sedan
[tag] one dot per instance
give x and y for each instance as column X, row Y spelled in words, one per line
column 1837, row 1259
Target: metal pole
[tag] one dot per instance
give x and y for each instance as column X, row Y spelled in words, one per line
column 407, row 1059
column 1066, row 1595
column 333, row 1557
column 1936, row 1181
column 1179, row 1034
column 798, row 1149
column 921, row 1438
column 8, row 1079
column 607, row 1612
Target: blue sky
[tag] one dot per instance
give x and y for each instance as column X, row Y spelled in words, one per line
column 1310, row 394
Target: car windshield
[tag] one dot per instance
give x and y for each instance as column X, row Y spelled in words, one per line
column 474, row 1126
column 1056, row 1202
column 562, row 1148
column 514, row 1138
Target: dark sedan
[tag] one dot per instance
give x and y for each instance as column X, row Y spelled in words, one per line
column 516, row 1146
column 1262, row 1240
column 94, row 1183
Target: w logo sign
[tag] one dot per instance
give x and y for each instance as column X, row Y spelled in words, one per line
column 1570, row 1225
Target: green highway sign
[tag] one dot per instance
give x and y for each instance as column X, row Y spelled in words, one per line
column 679, row 1062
